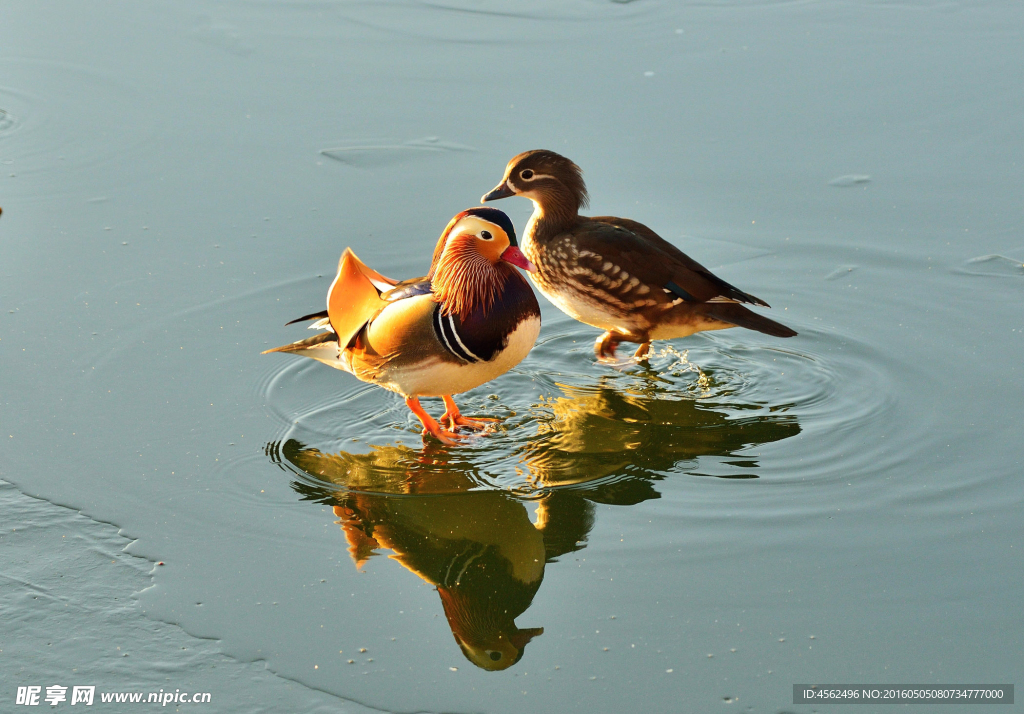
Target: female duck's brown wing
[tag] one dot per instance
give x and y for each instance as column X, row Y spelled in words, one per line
column 641, row 252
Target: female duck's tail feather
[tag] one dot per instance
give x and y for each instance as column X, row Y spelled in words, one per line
column 742, row 317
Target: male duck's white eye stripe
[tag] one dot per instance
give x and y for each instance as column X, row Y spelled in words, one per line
column 451, row 321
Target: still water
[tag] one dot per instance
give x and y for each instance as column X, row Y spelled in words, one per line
column 700, row 533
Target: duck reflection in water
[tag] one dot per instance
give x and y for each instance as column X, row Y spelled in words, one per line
column 625, row 436
column 478, row 546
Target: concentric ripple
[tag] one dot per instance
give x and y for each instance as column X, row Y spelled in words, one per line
column 727, row 407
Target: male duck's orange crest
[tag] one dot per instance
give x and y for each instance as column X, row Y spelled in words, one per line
column 464, row 280
column 462, row 277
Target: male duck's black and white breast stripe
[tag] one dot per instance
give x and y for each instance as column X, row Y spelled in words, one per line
column 484, row 334
column 446, row 328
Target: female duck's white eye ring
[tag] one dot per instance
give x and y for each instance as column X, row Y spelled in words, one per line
column 486, row 235
column 526, row 174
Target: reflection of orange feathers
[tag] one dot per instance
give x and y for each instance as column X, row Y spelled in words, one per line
column 360, row 546
column 353, row 298
column 464, row 280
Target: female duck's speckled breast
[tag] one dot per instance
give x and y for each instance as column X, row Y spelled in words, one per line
column 555, row 280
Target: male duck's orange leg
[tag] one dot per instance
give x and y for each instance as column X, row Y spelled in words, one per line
column 429, row 425
column 455, row 418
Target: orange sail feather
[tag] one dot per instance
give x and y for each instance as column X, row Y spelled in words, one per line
column 352, row 299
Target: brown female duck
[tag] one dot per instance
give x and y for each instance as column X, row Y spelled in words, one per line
column 614, row 273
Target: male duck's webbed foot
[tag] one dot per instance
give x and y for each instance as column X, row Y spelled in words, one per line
column 430, row 426
column 455, row 418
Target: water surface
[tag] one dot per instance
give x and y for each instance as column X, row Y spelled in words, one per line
column 179, row 179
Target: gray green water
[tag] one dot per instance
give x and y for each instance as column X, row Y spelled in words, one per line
column 179, row 179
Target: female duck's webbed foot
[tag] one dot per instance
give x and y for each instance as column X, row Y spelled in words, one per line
column 455, row 418
column 605, row 346
column 642, row 351
column 430, row 426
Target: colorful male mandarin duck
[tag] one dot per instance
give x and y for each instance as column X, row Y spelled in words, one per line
column 614, row 273
column 472, row 318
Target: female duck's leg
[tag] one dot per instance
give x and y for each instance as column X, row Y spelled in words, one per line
column 605, row 346
column 429, row 425
column 455, row 418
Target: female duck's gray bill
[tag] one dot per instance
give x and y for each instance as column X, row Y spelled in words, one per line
column 500, row 191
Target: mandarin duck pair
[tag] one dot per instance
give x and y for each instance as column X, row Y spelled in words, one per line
column 473, row 317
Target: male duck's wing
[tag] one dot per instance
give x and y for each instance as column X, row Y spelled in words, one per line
column 654, row 261
column 311, row 316
column 389, row 290
column 381, row 282
column 353, row 298
column 407, row 289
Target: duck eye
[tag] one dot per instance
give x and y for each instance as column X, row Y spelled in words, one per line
column 495, row 656
column 527, row 174
column 486, row 235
